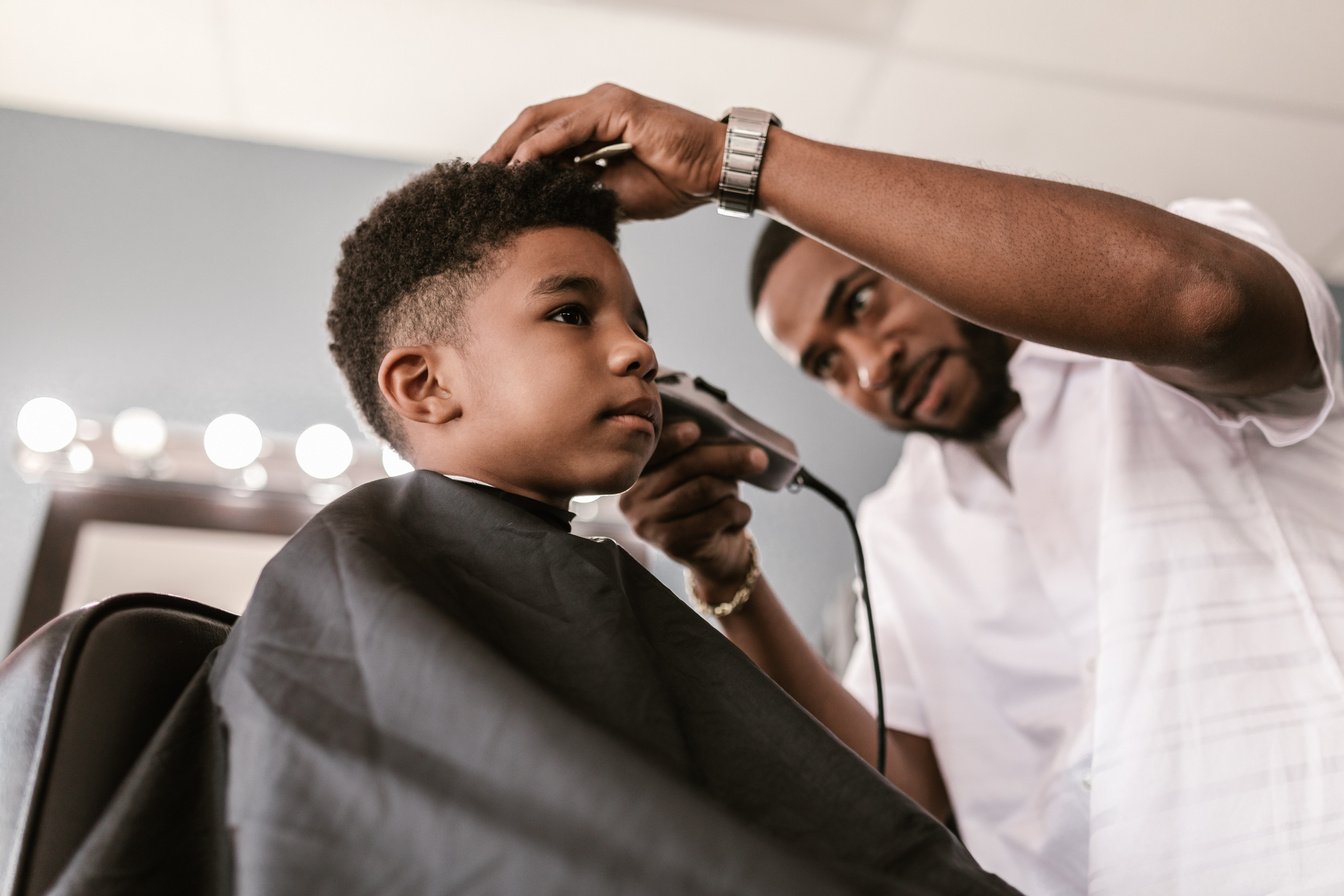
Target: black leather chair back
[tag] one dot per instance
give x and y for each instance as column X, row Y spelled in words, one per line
column 79, row 701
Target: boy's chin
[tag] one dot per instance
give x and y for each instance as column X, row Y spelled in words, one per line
column 611, row 484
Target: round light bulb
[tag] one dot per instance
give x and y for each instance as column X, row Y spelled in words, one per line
column 80, row 458
column 232, row 441
column 47, row 424
column 139, row 434
column 394, row 463
column 255, row 477
column 324, row 451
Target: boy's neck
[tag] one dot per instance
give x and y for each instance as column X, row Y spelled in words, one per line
column 561, row 516
column 468, row 474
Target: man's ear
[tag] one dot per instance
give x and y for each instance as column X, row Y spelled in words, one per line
column 415, row 380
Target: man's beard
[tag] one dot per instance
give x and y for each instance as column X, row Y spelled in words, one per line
column 987, row 353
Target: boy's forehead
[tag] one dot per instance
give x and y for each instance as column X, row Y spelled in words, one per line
column 554, row 259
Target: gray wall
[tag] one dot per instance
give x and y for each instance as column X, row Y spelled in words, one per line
column 190, row 275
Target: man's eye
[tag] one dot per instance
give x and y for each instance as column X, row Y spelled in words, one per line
column 860, row 299
column 570, row 314
column 823, row 368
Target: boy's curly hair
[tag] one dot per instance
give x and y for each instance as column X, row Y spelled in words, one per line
column 408, row 268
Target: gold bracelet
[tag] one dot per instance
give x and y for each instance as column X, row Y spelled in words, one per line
column 739, row 597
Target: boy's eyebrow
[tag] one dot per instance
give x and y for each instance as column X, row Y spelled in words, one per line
column 559, row 283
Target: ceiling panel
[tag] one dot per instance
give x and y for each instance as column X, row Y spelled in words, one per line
column 863, row 21
column 423, row 81
column 1220, row 51
column 1332, row 267
column 1152, row 148
column 155, row 62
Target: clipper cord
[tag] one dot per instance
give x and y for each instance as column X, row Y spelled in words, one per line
column 807, row 480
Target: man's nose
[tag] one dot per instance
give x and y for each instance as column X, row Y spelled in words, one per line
column 872, row 362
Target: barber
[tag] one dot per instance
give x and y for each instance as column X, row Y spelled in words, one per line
column 1108, row 570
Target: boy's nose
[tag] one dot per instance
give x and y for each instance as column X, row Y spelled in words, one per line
column 634, row 356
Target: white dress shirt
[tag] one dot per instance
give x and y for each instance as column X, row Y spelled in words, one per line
column 1131, row 660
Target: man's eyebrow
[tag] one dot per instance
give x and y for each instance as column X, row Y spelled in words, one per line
column 836, row 294
column 561, row 283
column 838, row 290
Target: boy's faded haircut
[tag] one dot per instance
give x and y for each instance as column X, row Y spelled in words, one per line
column 407, row 270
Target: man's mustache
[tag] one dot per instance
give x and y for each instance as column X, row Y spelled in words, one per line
column 926, row 361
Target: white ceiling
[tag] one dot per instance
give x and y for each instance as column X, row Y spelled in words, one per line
column 1154, row 99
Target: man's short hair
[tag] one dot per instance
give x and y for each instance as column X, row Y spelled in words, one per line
column 407, row 270
column 775, row 240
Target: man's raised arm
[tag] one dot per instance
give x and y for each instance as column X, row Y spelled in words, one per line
column 1054, row 263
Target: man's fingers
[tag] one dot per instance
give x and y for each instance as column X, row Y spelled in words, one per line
column 528, row 122
column 585, row 124
column 547, row 129
column 676, row 438
column 725, row 460
column 691, row 538
column 689, row 498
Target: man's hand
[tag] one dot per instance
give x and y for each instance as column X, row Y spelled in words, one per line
column 673, row 167
column 686, row 503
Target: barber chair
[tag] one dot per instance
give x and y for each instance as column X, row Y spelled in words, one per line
column 79, row 701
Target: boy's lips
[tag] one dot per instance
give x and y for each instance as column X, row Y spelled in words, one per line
column 641, row 413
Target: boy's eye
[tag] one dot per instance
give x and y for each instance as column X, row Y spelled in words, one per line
column 860, row 300
column 570, row 314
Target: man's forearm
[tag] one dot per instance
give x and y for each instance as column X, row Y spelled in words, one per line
column 763, row 630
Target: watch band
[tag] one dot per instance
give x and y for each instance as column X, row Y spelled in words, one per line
column 743, row 149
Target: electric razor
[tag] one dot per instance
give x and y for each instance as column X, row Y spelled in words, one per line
column 687, row 397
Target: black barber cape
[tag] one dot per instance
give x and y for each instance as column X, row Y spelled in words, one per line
column 438, row 689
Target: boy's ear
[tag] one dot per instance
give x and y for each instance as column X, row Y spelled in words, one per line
column 416, row 381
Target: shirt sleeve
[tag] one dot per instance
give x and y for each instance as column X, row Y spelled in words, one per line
column 1293, row 414
column 904, row 708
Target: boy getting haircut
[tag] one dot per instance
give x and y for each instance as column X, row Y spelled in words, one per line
column 438, row 688
column 408, row 269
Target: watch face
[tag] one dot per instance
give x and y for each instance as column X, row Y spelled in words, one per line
column 749, row 115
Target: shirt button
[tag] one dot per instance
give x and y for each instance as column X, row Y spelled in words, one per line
column 1086, row 780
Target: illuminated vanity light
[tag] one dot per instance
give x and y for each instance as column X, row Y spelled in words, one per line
column 47, row 424
column 139, row 434
column 255, row 477
column 323, row 493
column 80, row 458
column 324, row 451
column 232, row 441
column 394, row 463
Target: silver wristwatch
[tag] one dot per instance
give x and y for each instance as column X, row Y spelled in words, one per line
column 743, row 148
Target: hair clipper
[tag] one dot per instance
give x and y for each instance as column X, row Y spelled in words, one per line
column 688, row 397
